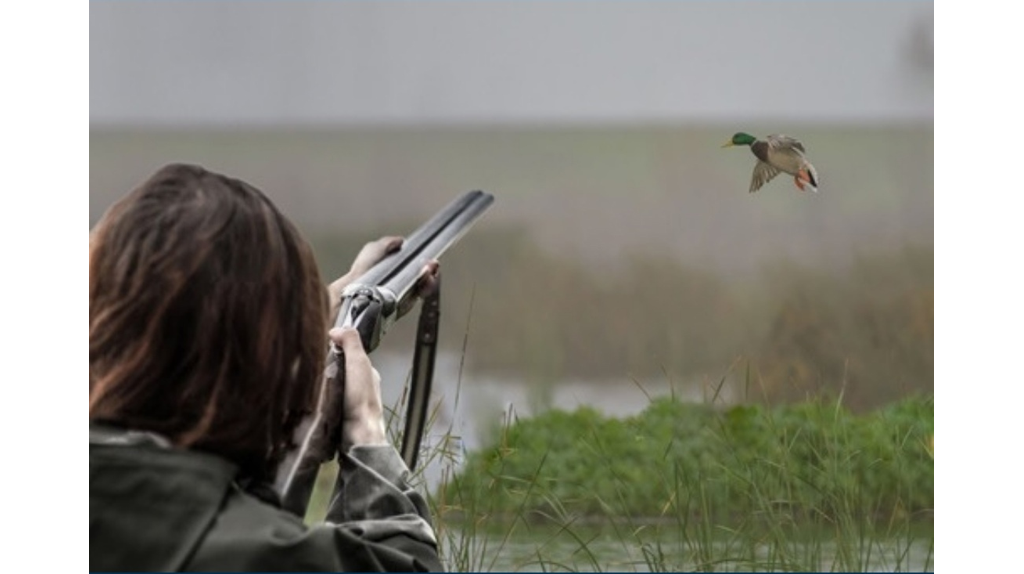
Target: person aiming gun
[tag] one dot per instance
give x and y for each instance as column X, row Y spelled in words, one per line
column 207, row 316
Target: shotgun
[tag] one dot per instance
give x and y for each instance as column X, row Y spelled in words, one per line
column 371, row 304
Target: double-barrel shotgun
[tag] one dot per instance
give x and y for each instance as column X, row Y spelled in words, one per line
column 371, row 304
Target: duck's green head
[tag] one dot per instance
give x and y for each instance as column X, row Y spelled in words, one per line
column 740, row 138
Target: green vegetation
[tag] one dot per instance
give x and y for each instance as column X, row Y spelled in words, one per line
column 813, row 461
column 690, row 487
column 681, row 486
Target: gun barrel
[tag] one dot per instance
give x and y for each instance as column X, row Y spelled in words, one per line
column 392, row 280
column 434, row 238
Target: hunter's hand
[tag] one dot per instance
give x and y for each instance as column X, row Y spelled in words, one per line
column 428, row 282
column 363, row 423
column 368, row 256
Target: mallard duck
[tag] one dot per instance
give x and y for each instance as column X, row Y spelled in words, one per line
column 779, row 153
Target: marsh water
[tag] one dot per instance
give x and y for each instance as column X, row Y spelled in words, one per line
column 649, row 548
column 471, row 407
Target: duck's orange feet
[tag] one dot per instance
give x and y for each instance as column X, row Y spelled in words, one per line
column 799, row 183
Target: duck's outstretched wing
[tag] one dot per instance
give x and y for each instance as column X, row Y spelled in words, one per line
column 783, row 142
column 763, row 173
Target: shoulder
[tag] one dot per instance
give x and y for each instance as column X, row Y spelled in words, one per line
column 249, row 534
column 154, row 508
column 149, row 506
column 252, row 535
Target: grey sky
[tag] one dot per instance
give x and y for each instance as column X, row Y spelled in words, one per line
column 415, row 62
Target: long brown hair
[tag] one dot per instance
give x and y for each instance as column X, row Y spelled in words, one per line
column 207, row 317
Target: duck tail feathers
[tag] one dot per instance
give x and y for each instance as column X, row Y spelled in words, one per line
column 812, row 175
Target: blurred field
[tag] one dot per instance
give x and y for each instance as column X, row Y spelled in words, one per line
column 621, row 252
column 597, row 191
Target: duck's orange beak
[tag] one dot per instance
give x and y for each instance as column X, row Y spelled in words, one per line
column 728, row 144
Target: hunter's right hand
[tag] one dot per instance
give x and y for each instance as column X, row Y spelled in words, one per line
column 363, row 422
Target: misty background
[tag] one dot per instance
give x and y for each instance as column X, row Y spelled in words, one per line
column 623, row 247
column 343, row 63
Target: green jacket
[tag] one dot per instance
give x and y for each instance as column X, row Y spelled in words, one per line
column 157, row 508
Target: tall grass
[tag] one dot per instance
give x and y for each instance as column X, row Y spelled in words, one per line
column 691, row 487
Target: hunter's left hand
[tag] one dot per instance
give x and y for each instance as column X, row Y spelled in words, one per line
column 429, row 281
column 368, row 256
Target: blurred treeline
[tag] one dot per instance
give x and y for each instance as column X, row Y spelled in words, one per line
column 782, row 334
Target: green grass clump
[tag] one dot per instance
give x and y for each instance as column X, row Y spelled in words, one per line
column 681, row 486
column 807, row 486
column 811, row 461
